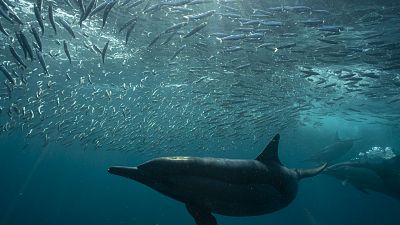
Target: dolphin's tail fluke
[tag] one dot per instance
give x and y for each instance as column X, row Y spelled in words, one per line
column 303, row 173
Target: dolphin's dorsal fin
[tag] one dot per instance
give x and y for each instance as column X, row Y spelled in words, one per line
column 270, row 152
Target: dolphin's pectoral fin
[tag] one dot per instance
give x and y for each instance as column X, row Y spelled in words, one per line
column 270, row 152
column 201, row 215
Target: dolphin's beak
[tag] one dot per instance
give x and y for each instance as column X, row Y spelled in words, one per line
column 133, row 173
column 123, row 171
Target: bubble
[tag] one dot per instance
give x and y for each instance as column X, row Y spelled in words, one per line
column 376, row 153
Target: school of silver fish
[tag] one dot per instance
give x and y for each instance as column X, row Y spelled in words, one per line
column 162, row 75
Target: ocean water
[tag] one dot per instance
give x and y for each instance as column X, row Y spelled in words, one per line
column 195, row 78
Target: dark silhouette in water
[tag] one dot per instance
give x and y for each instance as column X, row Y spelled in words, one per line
column 334, row 151
column 232, row 187
column 383, row 177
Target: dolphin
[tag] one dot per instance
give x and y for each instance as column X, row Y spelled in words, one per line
column 231, row 187
column 332, row 152
column 382, row 177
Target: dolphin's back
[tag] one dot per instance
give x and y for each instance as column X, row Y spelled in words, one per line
column 227, row 170
column 332, row 152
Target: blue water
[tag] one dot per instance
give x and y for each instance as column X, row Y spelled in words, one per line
column 55, row 185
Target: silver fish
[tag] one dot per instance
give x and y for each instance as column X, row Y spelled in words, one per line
column 41, row 61
column 39, row 4
column 25, row 45
column 67, row 27
column 128, row 33
column 7, row 74
column 195, row 30
column 39, row 18
column 15, row 17
column 103, row 53
column 17, row 57
column 155, row 39
column 98, row 8
column 127, row 24
column 175, row 27
column 107, row 10
column 37, row 37
column 5, row 14
column 51, row 18
column 201, row 15
column 87, row 11
column 3, row 30
column 178, row 51
column 67, row 51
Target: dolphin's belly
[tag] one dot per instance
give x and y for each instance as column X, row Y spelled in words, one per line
column 227, row 198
